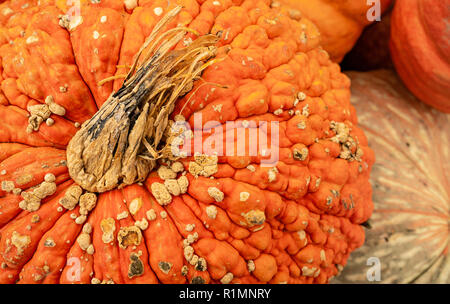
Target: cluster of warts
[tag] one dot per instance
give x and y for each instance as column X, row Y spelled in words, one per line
column 172, row 186
column 350, row 149
column 74, row 196
column 203, row 165
column 132, row 236
column 70, row 22
column 31, row 200
column 175, row 180
column 299, row 97
column 41, row 113
column 84, row 239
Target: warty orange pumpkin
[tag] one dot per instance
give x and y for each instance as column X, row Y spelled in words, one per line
column 420, row 49
column 195, row 219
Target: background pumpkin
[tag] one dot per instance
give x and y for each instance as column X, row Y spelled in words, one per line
column 420, row 49
column 340, row 22
column 295, row 223
column 411, row 182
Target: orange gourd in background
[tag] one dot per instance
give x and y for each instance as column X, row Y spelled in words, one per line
column 420, row 49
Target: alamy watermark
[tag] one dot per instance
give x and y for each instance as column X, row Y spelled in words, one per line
column 74, row 8
column 374, row 272
column 374, row 12
column 73, row 273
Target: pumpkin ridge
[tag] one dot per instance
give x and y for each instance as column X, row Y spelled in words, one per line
column 20, row 253
column 37, row 269
column 133, row 215
column 111, row 24
column 16, row 211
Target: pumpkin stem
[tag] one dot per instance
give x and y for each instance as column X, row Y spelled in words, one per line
column 121, row 143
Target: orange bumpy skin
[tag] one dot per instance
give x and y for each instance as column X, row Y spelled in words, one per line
column 340, row 22
column 219, row 220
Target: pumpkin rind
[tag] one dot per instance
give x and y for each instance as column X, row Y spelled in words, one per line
column 411, row 184
column 233, row 221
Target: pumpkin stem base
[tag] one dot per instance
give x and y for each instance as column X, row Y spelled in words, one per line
column 121, row 143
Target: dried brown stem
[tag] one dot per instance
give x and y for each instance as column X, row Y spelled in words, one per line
column 120, row 144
